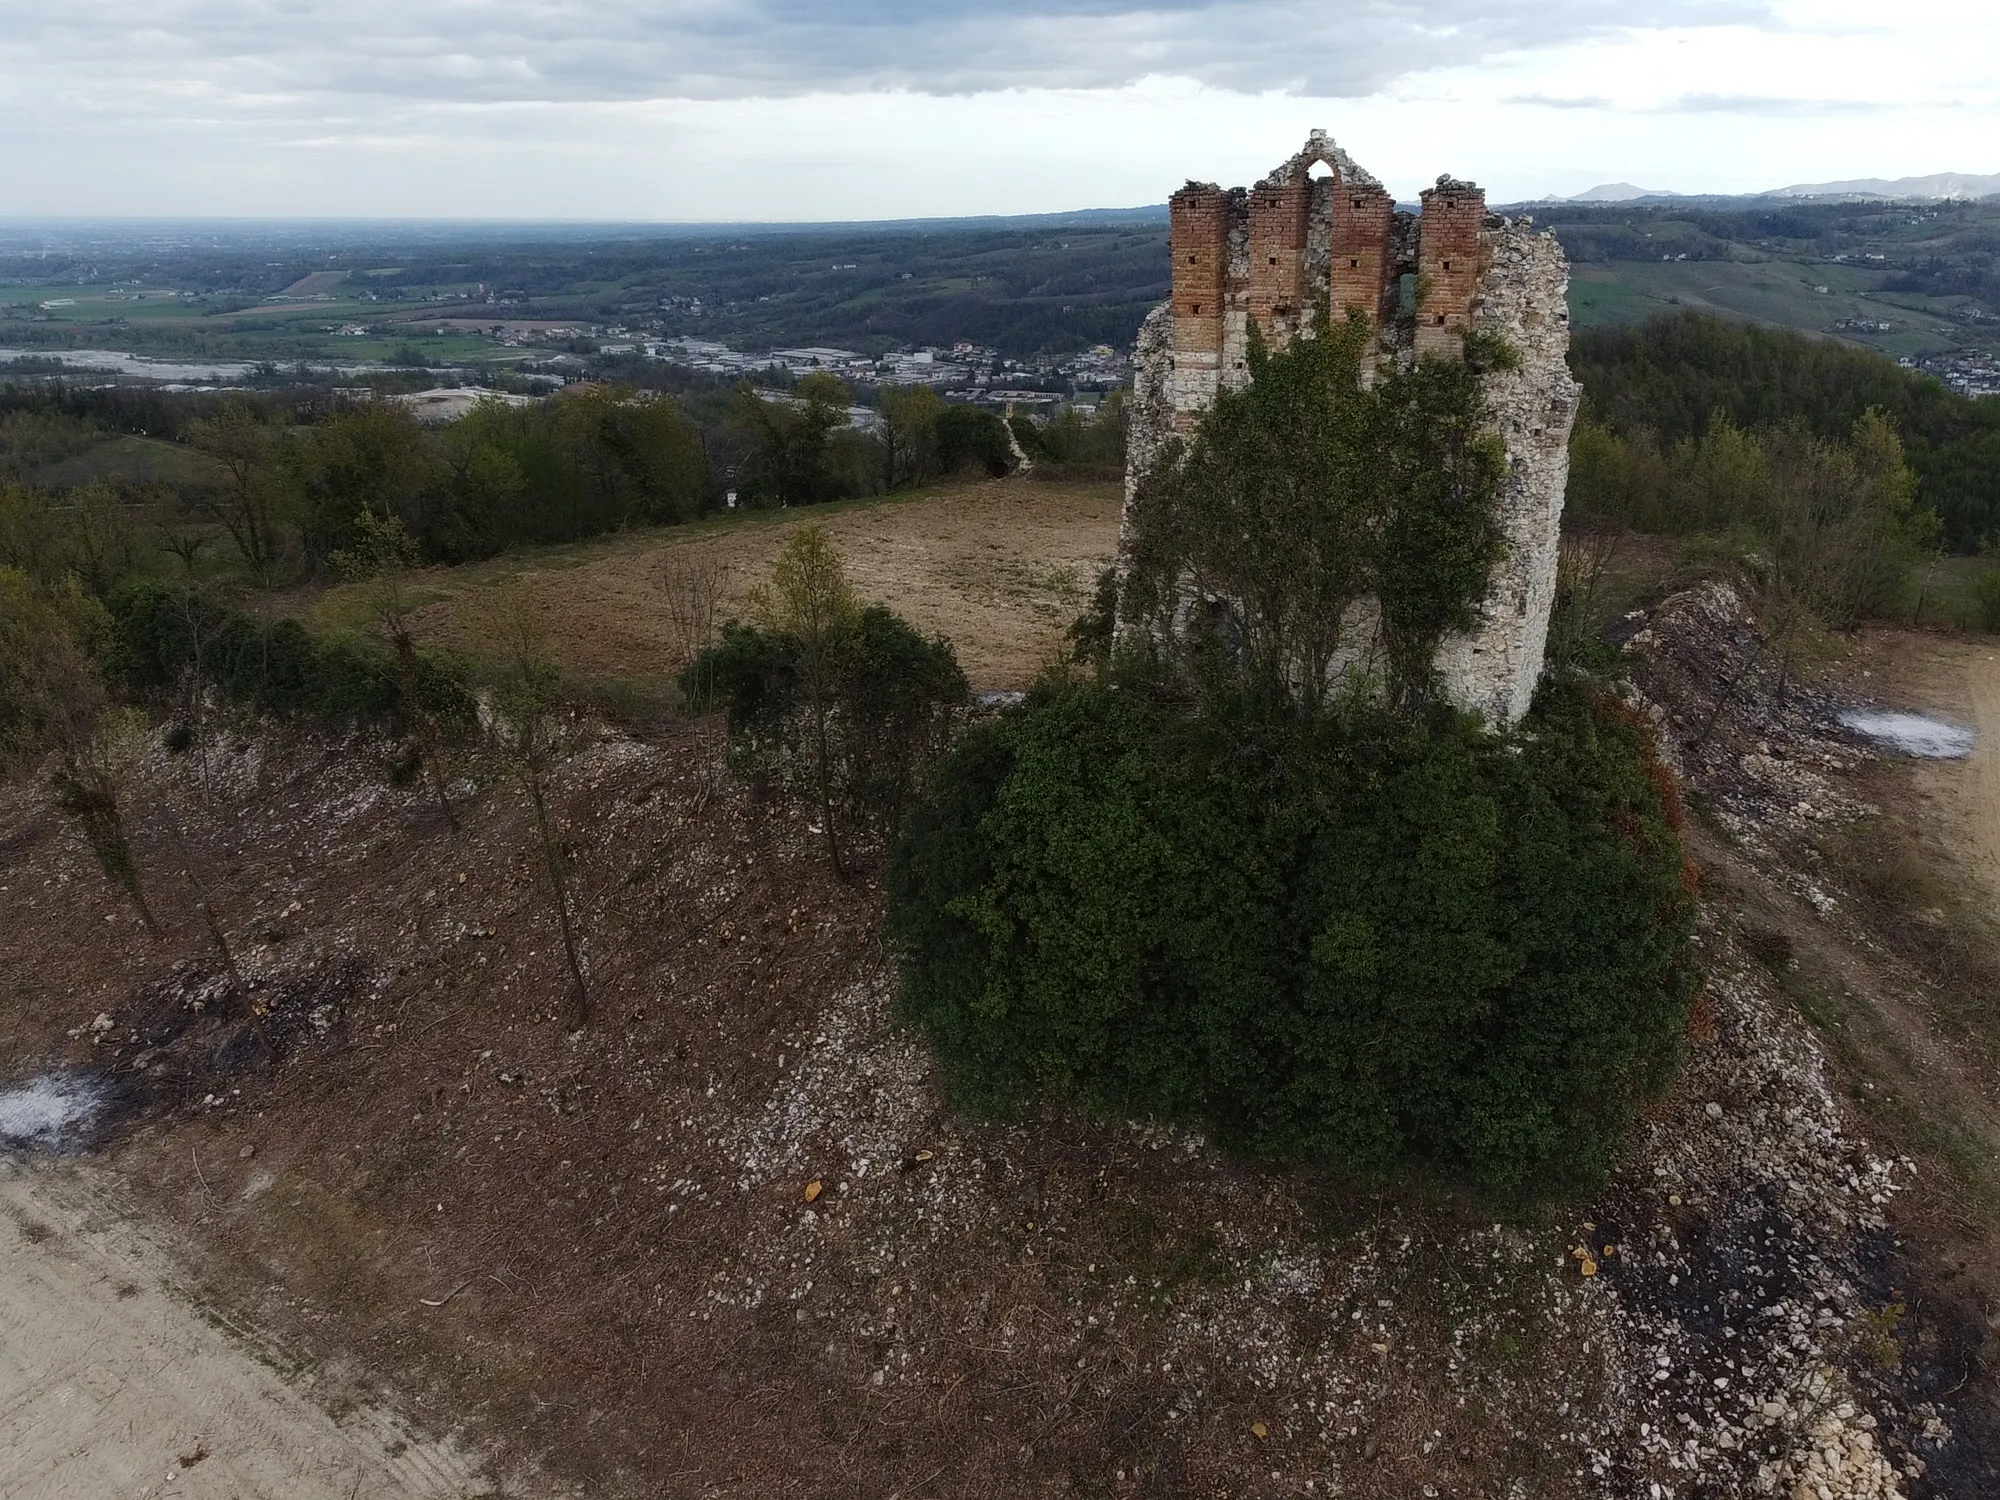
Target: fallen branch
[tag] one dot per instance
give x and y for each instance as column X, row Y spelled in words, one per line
column 440, row 1302
column 201, row 1179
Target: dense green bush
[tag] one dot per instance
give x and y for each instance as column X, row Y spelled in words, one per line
column 1350, row 939
column 160, row 637
column 971, row 438
column 890, row 701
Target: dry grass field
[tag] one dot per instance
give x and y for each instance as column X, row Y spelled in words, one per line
column 1000, row 568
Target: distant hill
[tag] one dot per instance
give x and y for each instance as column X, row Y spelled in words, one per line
column 1936, row 188
column 1615, row 192
column 1939, row 185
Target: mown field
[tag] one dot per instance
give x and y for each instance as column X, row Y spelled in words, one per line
column 1000, row 568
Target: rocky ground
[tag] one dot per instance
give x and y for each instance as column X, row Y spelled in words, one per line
column 729, row 1240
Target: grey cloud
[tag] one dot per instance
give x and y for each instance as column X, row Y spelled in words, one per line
column 1760, row 104
column 1550, row 101
column 568, row 50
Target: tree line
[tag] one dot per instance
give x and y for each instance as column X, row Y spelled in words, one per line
column 284, row 479
column 1664, row 382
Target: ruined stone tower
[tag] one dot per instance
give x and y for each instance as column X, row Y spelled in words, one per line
column 1263, row 256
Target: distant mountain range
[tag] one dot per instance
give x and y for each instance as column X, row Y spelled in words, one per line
column 1937, row 186
column 1940, row 185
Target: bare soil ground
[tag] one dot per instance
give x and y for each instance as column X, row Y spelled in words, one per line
column 1956, row 803
column 1001, row 568
column 1861, row 884
column 731, row 1240
column 112, row 1383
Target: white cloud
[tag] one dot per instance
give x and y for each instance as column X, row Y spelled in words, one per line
column 711, row 109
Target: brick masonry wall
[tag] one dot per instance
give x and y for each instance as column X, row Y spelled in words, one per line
column 1448, row 264
column 1199, row 236
column 1277, row 288
column 1361, row 273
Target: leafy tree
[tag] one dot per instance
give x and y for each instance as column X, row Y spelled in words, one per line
column 1253, row 546
column 31, row 534
column 643, row 459
column 910, row 436
column 1441, row 466
column 845, row 701
column 810, row 603
column 970, row 438
column 101, row 539
column 791, row 439
column 377, row 457
column 253, row 504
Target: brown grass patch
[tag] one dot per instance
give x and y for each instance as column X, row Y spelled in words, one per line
column 1000, row 568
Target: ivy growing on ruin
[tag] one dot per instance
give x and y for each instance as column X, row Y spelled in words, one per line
column 1323, row 528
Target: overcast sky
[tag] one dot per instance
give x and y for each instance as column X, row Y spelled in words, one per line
column 851, row 109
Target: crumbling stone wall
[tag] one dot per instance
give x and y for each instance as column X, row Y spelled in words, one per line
column 1262, row 257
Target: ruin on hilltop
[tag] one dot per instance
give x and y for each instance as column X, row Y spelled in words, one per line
column 1262, row 257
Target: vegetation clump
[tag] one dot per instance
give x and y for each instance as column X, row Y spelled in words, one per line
column 842, row 702
column 1678, row 380
column 165, row 640
column 1225, row 880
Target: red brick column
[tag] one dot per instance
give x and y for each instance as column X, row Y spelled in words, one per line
column 1199, row 236
column 1448, row 265
column 1361, row 276
column 1277, row 283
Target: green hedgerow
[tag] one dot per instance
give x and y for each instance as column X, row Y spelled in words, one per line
column 1361, row 939
column 159, row 635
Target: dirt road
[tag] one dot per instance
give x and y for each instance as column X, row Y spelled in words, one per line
column 1958, row 801
column 114, row 1386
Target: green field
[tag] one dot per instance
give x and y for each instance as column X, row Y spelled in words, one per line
column 1036, row 294
column 1781, row 293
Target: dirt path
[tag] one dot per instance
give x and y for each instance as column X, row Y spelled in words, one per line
column 1957, row 802
column 1970, row 791
column 113, row 1386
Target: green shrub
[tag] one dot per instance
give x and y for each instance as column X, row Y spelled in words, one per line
column 892, row 699
column 159, row 636
column 971, row 438
column 1986, row 598
column 1350, row 939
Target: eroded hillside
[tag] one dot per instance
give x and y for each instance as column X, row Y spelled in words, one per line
column 729, row 1239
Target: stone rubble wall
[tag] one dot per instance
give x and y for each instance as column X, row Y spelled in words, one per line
column 1493, row 669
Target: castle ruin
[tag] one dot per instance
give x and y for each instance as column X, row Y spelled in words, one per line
column 1261, row 257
